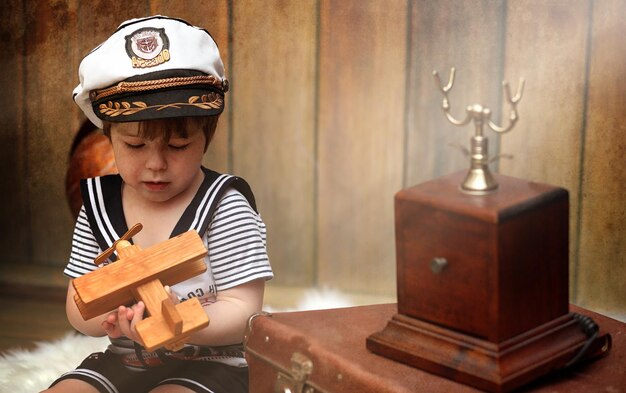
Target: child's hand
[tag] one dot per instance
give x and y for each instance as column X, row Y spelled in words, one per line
column 123, row 321
column 128, row 317
column 110, row 325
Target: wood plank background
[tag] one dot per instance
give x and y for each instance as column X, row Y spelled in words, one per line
column 555, row 69
column 360, row 141
column 333, row 109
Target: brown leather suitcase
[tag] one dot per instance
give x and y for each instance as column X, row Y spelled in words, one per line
column 324, row 351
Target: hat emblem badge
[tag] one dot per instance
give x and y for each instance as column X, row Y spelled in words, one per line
column 148, row 47
column 146, row 44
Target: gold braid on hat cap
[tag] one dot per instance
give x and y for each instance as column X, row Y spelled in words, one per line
column 141, row 86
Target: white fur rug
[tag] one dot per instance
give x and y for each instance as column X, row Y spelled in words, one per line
column 34, row 370
column 23, row 371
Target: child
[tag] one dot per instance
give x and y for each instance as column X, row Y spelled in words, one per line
column 156, row 87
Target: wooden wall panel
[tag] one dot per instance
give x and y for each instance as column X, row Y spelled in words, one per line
column 324, row 96
column 213, row 16
column 273, row 102
column 93, row 22
column 15, row 240
column 361, row 107
column 466, row 35
column 96, row 21
column 49, row 47
column 602, row 268
column 546, row 44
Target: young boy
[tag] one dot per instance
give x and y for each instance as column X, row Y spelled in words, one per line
column 156, row 87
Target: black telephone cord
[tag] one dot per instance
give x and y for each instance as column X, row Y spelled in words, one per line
column 591, row 329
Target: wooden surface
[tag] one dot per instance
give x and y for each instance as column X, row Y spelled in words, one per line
column 273, row 89
column 333, row 109
column 360, row 141
column 16, row 237
column 501, row 367
column 172, row 261
column 167, row 325
column 48, row 42
column 334, row 341
column 506, row 256
column 601, row 264
column 474, row 47
column 553, row 62
column 23, row 322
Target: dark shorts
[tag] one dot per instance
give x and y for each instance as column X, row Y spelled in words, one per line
column 106, row 372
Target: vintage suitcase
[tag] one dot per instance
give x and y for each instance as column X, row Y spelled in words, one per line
column 324, row 351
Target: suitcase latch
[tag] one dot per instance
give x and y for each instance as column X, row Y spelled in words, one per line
column 301, row 368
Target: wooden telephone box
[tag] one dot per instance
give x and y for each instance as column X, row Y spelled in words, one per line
column 482, row 283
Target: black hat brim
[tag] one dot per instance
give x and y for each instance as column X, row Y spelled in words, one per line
column 158, row 95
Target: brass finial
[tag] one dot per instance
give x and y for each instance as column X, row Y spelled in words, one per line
column 479, row 179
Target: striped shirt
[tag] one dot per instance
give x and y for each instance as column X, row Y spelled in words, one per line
column 236, row 240
column 231, row 229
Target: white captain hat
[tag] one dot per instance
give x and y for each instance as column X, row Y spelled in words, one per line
column 151, row 68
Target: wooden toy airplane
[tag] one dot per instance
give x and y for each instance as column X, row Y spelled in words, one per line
column 141, row 275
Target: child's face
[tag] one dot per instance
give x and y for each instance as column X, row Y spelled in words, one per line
column 158, row 170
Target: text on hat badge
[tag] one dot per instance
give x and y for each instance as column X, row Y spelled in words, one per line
column 147, row 47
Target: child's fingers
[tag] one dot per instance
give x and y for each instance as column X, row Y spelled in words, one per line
column 111, row 329
column 138, row 310
column 112, row 318
column 128, row 318
column 130, row 313
column 122, row 320
column 107, row 326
